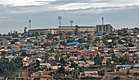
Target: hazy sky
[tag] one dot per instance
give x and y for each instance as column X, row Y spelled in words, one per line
column 14, row 14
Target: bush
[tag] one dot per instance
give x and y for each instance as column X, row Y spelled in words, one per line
column 136, row 74
column 116, row 78
column 36, row 78
column 101, row 72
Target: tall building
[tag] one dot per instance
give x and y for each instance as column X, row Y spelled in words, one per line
column 106, row 28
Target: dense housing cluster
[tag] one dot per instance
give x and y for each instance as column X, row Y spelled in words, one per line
column 103, row 54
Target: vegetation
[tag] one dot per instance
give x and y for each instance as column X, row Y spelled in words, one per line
column 8, row 67
column 97, row 59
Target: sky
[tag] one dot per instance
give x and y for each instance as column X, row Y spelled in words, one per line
column 15, row 14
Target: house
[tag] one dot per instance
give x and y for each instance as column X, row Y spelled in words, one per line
column 48, row 65
column 123, row 67
column 69, row 69
column 90, row 62
column 81, row 63
column 104, row 62
column 112, row 62
column 55, row 67
column 90, row 73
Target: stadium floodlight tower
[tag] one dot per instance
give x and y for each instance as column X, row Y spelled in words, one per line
column 29, row 24
column 60, row 18
column 71, row 22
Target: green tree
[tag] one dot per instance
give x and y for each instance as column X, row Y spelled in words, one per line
column 57, row 56
column 23, row 54
column 49, row 36
column 12, row 66
column 7, row 68
column 37, row 63
column 36, row 78
column 115, row 58
column 97, row 59
column 101, row 72
column 19, row 62
column 89, row 38
column 76, row 30
column 63, row 62
column 61, row 69
column 73, row 65
column 46, row 56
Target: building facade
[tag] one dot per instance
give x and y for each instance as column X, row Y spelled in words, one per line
column 81, row 28
column 64, row 29
column 44, row 31
column 106, row 28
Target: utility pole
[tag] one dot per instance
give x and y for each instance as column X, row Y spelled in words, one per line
column 102, row 20
column 29, row 24
column 25, row 31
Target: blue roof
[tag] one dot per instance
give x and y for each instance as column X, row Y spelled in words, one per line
column 98, row 33
column 4, row 40
column 123, row 65
column 11, row 52
column 73, row 43
column 14, row 38
column 24, row 50
column 11, row 56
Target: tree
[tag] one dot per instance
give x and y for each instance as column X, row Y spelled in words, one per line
column 81, row 40
column 108, row 62
column 19, row 62
column 128, row 72
column 36, row 78
column 80, row 47
column 12, row 42
column 36, row 34
column 4, row 66
column 8, row 67
column 101, row 72
column 73, row 65
column 60, row 35
column 57, row 56
column 49, row 36
column 97, row 39
column 121, row 60
column 61, row 69
column 76, row 30
column 114, row 58
column 131, row 45
column 46, row 57
column 63, row 62
column 87, row 46
column 37, row 63
column 83, row 58
column 89, row 38
column 63, row 43
column 13, row 66
column 52, row 50
column 23, row 54
column 97, row 59
column 126, row 58
column 9, row 34
column 116, row 78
